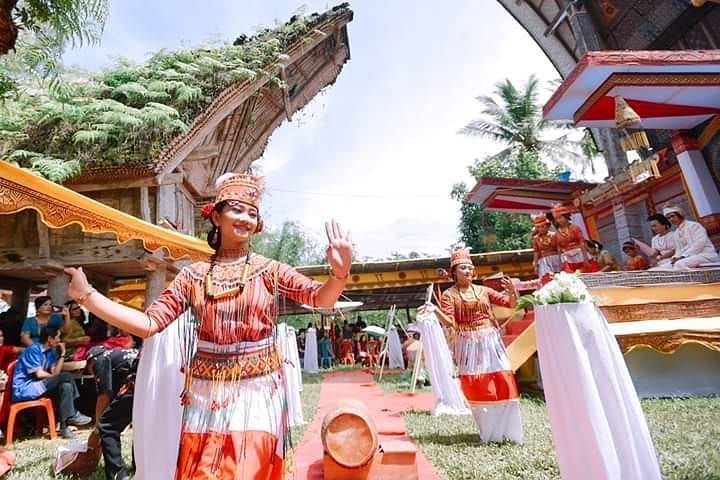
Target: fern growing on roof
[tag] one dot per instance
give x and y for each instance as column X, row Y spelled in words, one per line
column 127, row 114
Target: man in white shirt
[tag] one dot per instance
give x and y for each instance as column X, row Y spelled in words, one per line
column 693, row 246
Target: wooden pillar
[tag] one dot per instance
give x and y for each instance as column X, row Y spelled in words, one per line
column 155, row 281
column 20, row 299
column 145, row 205
column 58, row 283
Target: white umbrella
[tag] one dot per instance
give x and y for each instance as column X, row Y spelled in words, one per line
column 374, row 329
column 339, row 307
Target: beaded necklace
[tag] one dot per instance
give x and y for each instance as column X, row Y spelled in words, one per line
column 209, row 285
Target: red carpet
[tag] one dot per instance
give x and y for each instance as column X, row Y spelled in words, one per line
column 386, row 410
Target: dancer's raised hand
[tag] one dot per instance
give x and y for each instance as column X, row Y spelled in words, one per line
column 339, row 250
column 79, row 285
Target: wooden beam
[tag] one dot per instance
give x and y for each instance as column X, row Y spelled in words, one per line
column 203, row 152
column 268, row 94
column 709, row 132
column 243, row 131
column 77, row 253
column 171, row 178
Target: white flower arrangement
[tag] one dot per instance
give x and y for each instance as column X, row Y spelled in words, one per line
column 563, row 288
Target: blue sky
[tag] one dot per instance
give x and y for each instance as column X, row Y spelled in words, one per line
column 378, row 150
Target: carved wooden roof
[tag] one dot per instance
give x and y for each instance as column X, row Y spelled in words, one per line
column 234, row 129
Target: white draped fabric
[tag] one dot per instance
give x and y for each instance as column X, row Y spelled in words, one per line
column 439, row 362
column 157, row 412
column 598, row 427
column 291, row 373
column 395, row 355
column 310, row 362
column 549, row 264
column 479, row 352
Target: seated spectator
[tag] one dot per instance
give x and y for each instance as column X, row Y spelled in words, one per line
column 116, row 339
column 635, row 261
column 8, row 353
column 75, row 336
column 97, row 329
column 693, row 246
column 603, row 258
column 114, row 371
column 45, row 315
column 663, row 243
column 11, row 323
column 38, row 373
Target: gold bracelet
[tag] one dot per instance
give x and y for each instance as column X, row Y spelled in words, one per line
column 333, row 275
column 84, row 297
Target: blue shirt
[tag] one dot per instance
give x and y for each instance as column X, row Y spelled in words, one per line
column 32, row 327
column 25, row 385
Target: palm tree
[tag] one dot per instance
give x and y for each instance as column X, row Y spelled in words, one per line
column 513, row 117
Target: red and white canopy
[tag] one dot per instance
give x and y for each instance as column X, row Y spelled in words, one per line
column 515, row 195
column 668, row 89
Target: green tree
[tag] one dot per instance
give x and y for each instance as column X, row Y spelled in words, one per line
column 512, row 117
column 289, row 244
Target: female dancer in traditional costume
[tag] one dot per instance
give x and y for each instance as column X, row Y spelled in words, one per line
column 545, row 249
column 486, row 378
column 235, row 413
column 571, row 243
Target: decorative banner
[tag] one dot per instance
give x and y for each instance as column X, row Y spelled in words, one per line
column 59, row 207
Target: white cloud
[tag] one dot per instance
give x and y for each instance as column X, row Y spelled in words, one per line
column 380, row 144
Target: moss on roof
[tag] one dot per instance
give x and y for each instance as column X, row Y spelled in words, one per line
column 126, row 115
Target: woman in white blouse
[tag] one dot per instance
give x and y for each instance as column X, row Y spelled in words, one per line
column 663, row 243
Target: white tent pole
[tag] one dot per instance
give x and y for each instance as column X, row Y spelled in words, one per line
column 383, row 345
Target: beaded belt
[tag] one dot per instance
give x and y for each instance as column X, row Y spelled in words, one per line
column 229, row 368
column 467, row 327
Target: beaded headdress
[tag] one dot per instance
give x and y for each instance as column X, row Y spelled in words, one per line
column 539, row 219
column 561, row 209
column 240, row 187
column 460, row 256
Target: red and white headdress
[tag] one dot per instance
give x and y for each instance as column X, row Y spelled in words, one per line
column 460, row 256
column 562, row 209
column 240, row 187
column 539, row 219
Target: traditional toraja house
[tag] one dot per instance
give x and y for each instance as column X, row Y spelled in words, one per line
column 644, row 76
column 149, row 141
column 676, row 93
column 566, row 30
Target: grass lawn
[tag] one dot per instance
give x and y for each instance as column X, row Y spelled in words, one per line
column 685, row 433
column 36, row 456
